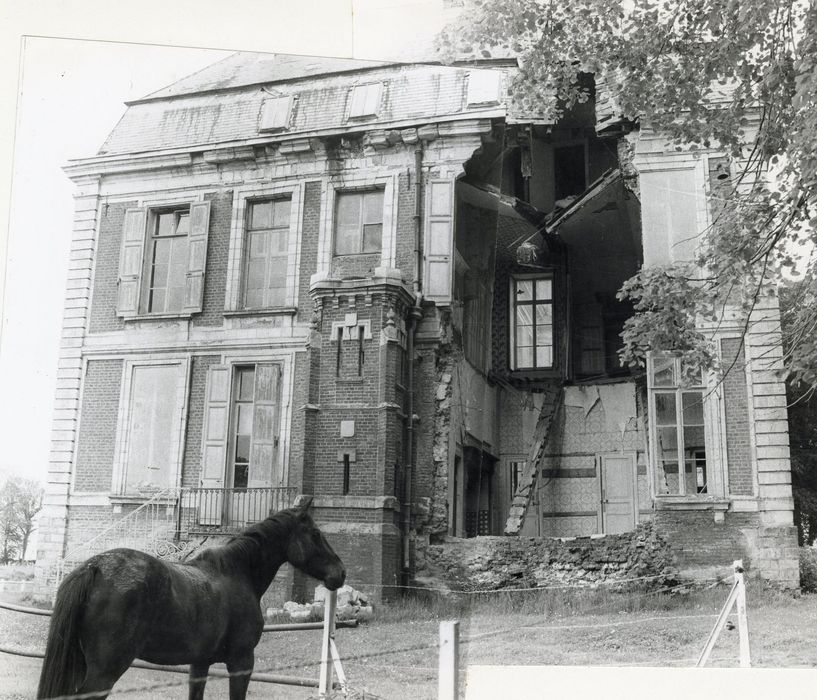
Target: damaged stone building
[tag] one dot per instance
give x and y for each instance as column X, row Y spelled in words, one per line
column 379, row 284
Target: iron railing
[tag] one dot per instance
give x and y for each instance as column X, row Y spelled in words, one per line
column 217, row 510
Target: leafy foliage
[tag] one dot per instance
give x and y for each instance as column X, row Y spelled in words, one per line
column 20, row 501
column 736, row 76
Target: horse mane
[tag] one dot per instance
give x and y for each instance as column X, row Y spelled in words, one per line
column 252, row 546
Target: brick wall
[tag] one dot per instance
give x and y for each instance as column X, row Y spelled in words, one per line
column 106, row 268
column 218, row 248
column 97, row 431
column 405, row 225
column 309, row 247
column 736, row 402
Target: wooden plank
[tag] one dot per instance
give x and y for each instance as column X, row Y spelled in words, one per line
column 448, row 678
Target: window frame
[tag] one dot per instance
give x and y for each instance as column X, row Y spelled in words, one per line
column 246, row 249
column 124, row 427
column 152, row 238
column 340, row 194
column 512, row 324
column 684, row 457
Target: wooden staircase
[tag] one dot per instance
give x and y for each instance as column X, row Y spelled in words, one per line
column 527, row 480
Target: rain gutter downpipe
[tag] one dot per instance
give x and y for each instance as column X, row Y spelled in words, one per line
column 415, row 315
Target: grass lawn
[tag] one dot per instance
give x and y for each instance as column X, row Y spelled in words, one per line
column 395, row 655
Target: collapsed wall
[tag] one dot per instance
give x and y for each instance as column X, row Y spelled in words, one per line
column 496, row 563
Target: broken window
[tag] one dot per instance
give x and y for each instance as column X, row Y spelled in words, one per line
column 569, row 170
column 677, row 417
column 532, row 322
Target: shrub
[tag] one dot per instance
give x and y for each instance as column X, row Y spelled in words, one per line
column 808, row 569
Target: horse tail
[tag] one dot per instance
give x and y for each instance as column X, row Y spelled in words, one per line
column 64, row 665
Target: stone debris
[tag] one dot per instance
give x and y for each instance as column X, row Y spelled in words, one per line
column 496, row 563
column 352, row 605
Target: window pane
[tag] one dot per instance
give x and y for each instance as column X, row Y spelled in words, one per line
column 665, row 409
column 246, row 381
column 242, row 448
column 261, row 215
column 692, row 375
column 544, row 336
column 524, row 315
column 276, row 296
column 183, row 225
column 524, row 290
column 165, row 224
column 258, row 244
column 524, row 336
column 372, row 235
column 348, row 210
column 240, row 476
column 156, row 302
column 281, row 209
column 161, row 251
column 159, row 275
column 278, row 270
column 279, row 240
column 667, row 449
column 254, row 298
column 544, row 289
column 663, row 371
column 544, row 314
column 524, row 356
column 244, row 419
column 373, row 207
column 255, row 275
column 347, row 240
column 544, row 357
column 693, row 405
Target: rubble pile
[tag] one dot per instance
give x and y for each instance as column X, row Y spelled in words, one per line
column 495, row 563
column 351, row 605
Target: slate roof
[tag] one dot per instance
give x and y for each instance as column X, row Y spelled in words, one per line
column 251, row 68
column 222, row 103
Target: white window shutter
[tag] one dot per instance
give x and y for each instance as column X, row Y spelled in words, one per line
column 264, row 451
column 439, row 240
column 215, row 434
column 130, row 261
column 484, row 87
column 275, row 113
column 197, row 256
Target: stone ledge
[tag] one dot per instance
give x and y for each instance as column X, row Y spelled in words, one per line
column 681, row 503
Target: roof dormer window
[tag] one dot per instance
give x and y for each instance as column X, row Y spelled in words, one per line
column 364, row 100
column 275, row 113
column 484, row 87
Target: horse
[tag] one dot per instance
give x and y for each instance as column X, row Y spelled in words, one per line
column 124, row 604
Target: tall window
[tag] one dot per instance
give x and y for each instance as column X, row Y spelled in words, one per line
column 359, row 222
column 150, row 456
column 677, row 414
column 242, row 426
column 167, row 261
column 265, row 266
column 532, row 322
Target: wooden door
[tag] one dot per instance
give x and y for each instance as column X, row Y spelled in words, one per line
column 618, row 493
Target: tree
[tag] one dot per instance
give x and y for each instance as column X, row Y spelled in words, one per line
column 736, row 75
column 20, row 501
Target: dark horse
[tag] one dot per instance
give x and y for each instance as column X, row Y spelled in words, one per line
column 122, row 605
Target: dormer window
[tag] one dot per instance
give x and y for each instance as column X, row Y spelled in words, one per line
column 364, row 100
column 484, row 87
column 275, row 112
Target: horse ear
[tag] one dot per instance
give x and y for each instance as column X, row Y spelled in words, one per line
column 305, row 504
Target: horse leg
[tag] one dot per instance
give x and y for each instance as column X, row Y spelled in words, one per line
column 99, row 679
column 198, row 678
column 240, row 667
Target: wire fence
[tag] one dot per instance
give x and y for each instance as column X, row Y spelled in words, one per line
column 267, row 673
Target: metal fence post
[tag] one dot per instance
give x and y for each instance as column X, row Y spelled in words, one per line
column 743, row 623
column 448, row 685
column 325, row 680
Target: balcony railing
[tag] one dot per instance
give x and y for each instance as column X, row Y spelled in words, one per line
column 212, row 511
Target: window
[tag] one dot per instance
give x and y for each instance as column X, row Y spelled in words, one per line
column 275, row 113
column 167, row 261
column 267, row 246
column 152, row 406
column 359, row 222
column 532, row 322
column 242, row 427
column 484, row 87
column 677, row 415
column 162, row 260
column 364, row 100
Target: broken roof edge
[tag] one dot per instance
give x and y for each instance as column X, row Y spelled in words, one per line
column 595, row 188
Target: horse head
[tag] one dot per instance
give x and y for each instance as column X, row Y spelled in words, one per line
column 309, row 551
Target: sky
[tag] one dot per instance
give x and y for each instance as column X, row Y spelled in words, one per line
column 69, row 67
